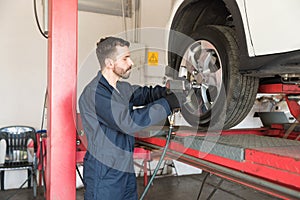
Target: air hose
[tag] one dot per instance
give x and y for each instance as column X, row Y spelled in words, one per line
column 172, row 119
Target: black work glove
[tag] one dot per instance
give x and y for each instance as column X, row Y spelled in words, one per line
column 175, row 100
column 172, row 101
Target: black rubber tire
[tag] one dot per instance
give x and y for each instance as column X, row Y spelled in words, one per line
column 238, row 92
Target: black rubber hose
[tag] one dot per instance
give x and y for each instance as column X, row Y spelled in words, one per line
column 37, row 20
column 159, row 162
column 202, row 186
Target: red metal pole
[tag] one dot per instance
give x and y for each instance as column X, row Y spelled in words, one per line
column 62, row 70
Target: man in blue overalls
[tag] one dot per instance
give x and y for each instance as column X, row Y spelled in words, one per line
column 110, row 120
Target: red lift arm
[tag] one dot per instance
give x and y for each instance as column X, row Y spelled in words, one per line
column 258, row 158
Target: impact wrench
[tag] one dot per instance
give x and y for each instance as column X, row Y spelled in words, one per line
column 172, row 119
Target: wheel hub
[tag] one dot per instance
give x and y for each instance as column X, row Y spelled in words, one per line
column 201, row 66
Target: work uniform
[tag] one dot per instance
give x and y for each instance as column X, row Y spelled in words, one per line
column 110, row 119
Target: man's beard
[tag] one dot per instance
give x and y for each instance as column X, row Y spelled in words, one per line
column 123, row 74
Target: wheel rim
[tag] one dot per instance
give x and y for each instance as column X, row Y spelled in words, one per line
column 201, row 65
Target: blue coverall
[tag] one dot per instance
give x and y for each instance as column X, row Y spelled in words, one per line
column 110, row 120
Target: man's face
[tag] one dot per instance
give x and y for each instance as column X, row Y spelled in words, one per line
column 123, row 63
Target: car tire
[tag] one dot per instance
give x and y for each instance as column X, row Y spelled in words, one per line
column 221, row 96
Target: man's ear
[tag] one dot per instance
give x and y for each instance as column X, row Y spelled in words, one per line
column 109, row 62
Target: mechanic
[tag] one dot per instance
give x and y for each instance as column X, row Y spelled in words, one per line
column 110, row 119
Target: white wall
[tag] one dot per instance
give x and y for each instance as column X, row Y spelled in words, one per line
column 155, row 16
column 23, row 53
column 23, row 64
column 23, row 57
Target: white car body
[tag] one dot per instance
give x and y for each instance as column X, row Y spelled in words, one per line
column 226, row 49
column 270, row 27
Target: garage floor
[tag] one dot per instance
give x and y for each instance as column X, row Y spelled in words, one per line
column 173, row 188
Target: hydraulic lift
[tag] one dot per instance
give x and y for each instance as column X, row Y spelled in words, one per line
column 266, row 159
column 272, row 166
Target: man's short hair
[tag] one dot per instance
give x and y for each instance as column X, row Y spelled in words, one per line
column 106, row 48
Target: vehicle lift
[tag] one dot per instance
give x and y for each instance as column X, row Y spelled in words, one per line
column 272, row 166
column 266, row 159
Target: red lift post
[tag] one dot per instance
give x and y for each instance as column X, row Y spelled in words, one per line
column 62, row 70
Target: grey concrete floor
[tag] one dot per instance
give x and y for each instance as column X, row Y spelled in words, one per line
column 172, row 188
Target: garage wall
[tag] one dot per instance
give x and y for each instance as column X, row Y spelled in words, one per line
column 23, row 59
column 23, row 53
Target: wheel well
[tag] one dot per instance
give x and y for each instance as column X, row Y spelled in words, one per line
column 193, row 14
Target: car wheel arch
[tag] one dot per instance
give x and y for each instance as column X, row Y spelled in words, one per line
column 182, row 23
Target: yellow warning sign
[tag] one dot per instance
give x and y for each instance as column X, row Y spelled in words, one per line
column 152, row 58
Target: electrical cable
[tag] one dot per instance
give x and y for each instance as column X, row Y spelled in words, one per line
column 79, row 174
column 44, row 106
column 37, row 20
column 215, row 189
column 20, row 187
column 124, row 18
column 291, row 128
column 226, row 191
column 202, row 186
column 162, row 156
column 42, row 155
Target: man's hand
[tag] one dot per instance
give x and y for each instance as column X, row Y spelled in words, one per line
column 175, row 100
